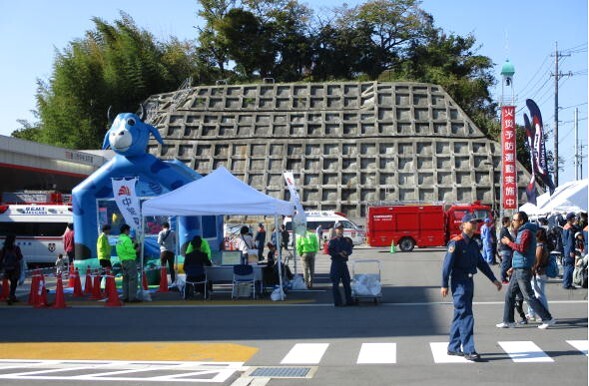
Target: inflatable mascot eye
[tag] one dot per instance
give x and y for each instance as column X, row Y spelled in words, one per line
column 131, row 122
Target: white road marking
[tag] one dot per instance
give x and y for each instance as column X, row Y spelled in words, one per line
column 305, row 353
column 440, row 354
column 581, row 345
column 525, row 351
column 377, row 353
column 174, row 371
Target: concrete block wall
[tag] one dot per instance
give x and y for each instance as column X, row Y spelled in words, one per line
column 347, row 143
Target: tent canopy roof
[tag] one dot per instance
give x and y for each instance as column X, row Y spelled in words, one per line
column 568, row 197
column 219, row 193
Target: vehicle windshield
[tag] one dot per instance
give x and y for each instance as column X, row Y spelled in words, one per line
column 326, row 224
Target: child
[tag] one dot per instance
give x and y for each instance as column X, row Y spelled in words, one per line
column 59, row 265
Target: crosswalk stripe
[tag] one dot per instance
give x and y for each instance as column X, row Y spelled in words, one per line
column 440, row 353
column 377, row 353
column 581, row 345
column 525, row 351
column 305, row 353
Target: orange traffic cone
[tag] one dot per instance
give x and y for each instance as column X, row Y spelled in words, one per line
column 96, row 292
column 88, row 282
column 163, row 280
column 41, row 293
column 33, row 294
column 144, row 281
column 59, row 297
column 77, row 284
column 72, row 279
column 5, row 293
column 326, row 248
column 111, row 290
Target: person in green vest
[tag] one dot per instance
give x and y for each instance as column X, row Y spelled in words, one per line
column 103, row 247
column 204, row 247
column 127, row 253
column 307, row 247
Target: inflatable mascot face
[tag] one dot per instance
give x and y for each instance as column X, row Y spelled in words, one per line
column 129, row 135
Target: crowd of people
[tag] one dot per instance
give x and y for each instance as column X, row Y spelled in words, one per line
column 523, row 249
column 526, row 251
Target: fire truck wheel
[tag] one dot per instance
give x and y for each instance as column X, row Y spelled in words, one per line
column 406, row 244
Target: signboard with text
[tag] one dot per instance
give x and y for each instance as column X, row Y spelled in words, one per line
column 509, row 183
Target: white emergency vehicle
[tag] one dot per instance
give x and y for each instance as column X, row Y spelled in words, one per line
column 38, row 228
column 327, row 220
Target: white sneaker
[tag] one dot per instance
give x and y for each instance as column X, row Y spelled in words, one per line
column 505, row 325
column 547, row 323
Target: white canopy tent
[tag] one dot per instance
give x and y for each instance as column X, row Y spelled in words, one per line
column 219, row 193
column 568, row 197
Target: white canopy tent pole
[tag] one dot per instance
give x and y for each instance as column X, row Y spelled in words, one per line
column 141, row 253
column 279, row 258
column 294, row 249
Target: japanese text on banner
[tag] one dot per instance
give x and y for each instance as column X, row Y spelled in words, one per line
column 128, row 202
column 300, row 219
column 508, row 149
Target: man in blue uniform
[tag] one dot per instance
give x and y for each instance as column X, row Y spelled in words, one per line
column 460, row 264
column 339, row 249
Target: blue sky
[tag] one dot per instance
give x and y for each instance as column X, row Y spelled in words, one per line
column 524, row 31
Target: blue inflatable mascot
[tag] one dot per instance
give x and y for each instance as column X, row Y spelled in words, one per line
column 128, row 137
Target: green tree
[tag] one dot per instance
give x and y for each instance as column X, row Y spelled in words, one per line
column 116, row 65
column 381, row 33
column 451, row 62
column 212, row 48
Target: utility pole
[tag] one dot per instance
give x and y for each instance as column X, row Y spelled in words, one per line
column 557, row 55
column 577, row 163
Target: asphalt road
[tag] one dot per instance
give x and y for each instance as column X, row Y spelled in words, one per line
column 393, row 343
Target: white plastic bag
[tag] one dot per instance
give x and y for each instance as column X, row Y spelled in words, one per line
column 180, row 283
column 277, row 294
column 144, row 295
column 297, row 283
column 366, row 285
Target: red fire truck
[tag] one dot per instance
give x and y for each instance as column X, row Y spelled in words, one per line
column 421, row 225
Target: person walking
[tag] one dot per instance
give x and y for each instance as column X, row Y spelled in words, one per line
column 166, row 239
column 260, row 241
column 307, row 247
column 127, row 253
column 488, row 240
column 10, row 261
column 462, row 259
column 524, row 257
column 103, row 249
column 284, row 237
column 504, row 251
column 59, row 265
column 68, row 243
column 340, row 249
column 539, row 278
column 319, row 233
column 568, row 257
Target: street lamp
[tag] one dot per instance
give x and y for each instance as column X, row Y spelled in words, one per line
column 492, row 165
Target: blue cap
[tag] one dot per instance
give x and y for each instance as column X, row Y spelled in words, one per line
column 488, row 220
column 468, row 218
column 571, row 216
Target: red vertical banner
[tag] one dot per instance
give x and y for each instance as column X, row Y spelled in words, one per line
column 509, row 185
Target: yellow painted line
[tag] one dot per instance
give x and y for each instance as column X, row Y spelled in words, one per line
column 134, row 351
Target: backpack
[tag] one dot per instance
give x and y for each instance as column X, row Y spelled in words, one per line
column 552, row 267
column 9, row 260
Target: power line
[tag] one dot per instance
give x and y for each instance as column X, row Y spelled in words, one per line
column 534, row 76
